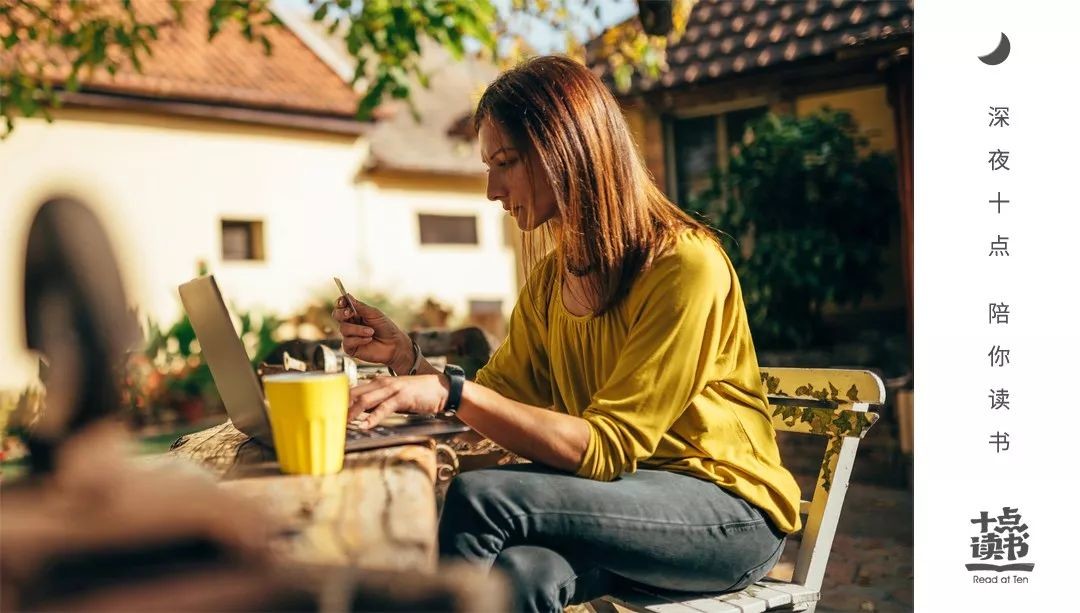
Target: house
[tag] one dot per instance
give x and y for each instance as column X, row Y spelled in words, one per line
column 738, row 59
column 424, row 186
column 254, row 166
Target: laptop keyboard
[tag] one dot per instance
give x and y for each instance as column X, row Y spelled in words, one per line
column 353, row 431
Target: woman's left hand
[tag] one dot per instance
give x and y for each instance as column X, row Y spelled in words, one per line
column 372, row 402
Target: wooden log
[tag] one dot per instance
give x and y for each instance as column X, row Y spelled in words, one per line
column 106, row 532
column 379, row 512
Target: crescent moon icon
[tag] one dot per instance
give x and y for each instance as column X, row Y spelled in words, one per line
column 998, row 55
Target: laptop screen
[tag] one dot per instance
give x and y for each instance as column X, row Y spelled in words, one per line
column 224, row 353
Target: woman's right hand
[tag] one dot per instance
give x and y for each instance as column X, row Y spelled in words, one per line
column 368, row 334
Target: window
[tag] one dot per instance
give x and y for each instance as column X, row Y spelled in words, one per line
column 696, row 155
column 703, row 144
column 448, row 230
column 242, row 240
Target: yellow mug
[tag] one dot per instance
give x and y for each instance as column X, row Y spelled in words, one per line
column 307, row 413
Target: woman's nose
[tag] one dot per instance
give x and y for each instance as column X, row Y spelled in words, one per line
column 495, row 191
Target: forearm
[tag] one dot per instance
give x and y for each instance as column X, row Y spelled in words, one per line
column 541, row 435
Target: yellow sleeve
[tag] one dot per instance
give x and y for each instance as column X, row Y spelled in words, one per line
column 519, row 367
column 675, row 335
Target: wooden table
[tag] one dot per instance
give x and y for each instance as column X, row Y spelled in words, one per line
column 360, row 540
column 379, row 512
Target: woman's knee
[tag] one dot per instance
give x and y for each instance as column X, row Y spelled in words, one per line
column 467, row 499
column 469, row 527
column 542, row 578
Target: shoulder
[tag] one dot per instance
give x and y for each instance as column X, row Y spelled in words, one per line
column 693, row 270
column 691, row 275
column 692, row 257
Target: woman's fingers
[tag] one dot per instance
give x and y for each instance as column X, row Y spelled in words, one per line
column 379, row 413
column 351, row 329
column 370, row 395
column 351, row 344
column 365, row 310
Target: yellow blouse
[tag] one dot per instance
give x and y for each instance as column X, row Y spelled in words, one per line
column 668, row 379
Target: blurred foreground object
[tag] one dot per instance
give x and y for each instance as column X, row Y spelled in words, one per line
column 108, row 533
column 91, row 528
column 77, row 319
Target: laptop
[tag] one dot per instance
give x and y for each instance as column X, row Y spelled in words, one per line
column 242, row 393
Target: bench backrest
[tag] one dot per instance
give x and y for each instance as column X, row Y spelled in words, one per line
column 832, row 403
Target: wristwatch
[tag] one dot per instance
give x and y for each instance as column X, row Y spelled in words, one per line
column 456, row 375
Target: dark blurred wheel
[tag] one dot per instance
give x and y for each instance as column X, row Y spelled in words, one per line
column 77, row 317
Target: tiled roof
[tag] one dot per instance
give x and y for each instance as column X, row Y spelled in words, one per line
column 724, row 38
column 229, row 70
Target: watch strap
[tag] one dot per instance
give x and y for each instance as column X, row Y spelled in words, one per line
column 456, row 376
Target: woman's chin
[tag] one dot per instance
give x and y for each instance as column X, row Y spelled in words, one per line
column 525, row 224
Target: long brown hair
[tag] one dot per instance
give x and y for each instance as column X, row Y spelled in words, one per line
column 613, row 219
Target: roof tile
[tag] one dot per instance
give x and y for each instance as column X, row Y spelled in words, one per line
column 229, row 70
column 727, row 36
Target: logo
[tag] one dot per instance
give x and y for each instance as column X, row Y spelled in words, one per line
column 1002, row 538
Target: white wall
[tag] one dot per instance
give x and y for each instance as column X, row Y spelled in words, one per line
column 396, row 262
column 162, row 186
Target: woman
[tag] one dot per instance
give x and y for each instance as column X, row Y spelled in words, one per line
column 628, row 376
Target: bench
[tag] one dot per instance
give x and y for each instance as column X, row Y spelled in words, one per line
column 832, row 403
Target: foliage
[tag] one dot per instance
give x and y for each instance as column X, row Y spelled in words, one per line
column 168, row 379
column 19, row 412
column 811, row 209
column 52, row 42
column 47, row 43
column 828, row 422
column 169, row 374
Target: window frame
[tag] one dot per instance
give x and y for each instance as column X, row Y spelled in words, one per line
column 476, row 242
column 256, row 238
column 719, row 110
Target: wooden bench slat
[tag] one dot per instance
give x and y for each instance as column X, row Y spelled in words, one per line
column 799, row 594
column 639, row 598
column 843, row 384
column 773, row 598
column 744, row 602
column 715, row 605
column 678, row 607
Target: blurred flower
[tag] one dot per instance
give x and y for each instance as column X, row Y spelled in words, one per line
column 285, row 332
column 309, row 332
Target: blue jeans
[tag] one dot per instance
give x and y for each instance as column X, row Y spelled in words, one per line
column 563, row 539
